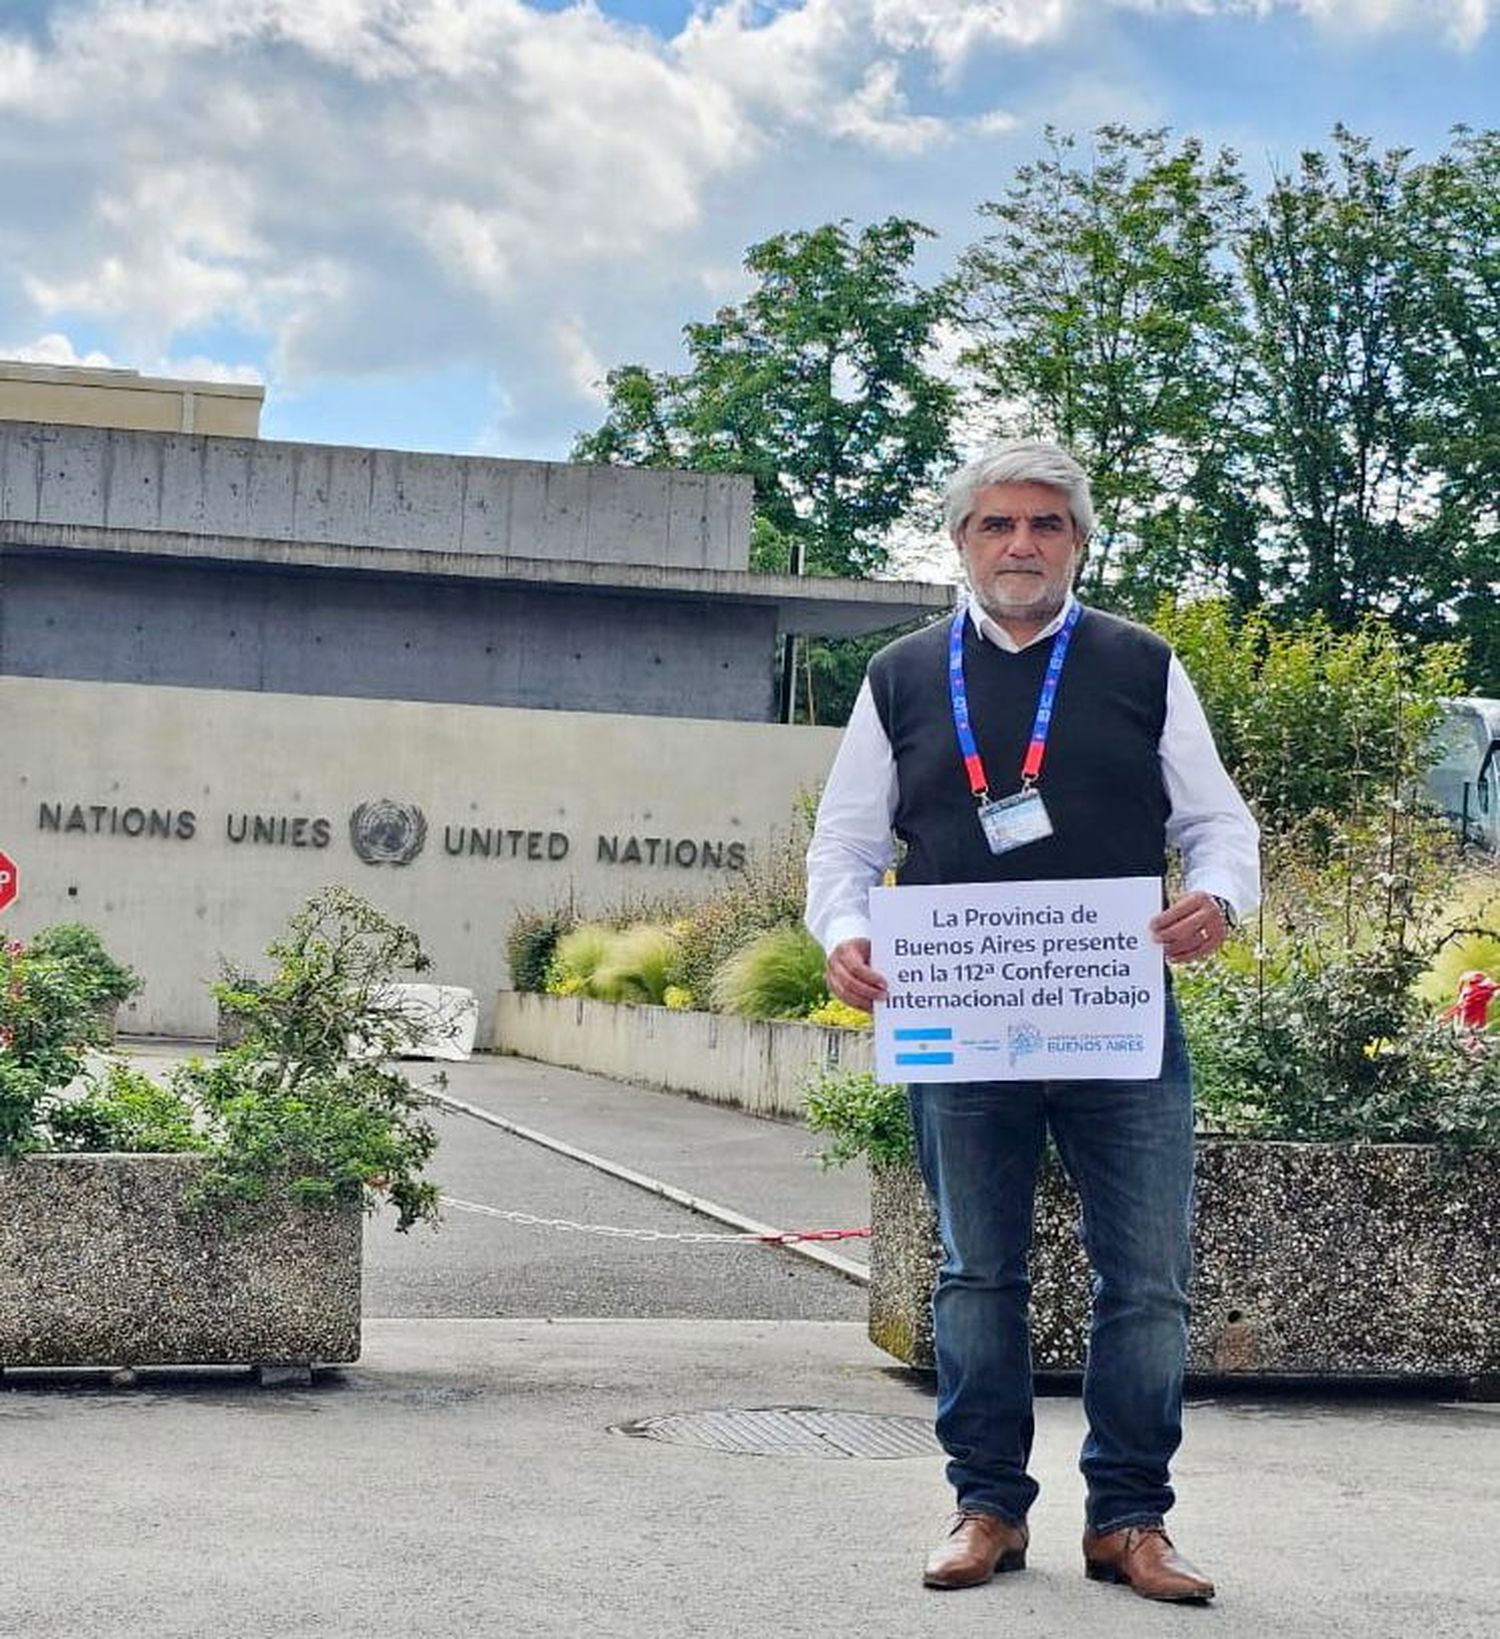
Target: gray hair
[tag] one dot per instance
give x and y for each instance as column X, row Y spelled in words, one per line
column 1020, row 461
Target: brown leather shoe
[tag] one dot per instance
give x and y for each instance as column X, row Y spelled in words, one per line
column 1142, row 1557
column 978, row 1546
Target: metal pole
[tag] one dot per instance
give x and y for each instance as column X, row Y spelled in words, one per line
column 789, row 643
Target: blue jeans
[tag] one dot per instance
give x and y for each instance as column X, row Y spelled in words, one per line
column 1128, row 1147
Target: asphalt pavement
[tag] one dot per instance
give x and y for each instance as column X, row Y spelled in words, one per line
column 475, row 1473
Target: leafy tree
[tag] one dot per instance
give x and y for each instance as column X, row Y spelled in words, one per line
column 837, row 668
column 1294, row 401
column 1103, row 311
column 638, row 431
column 1456, row 363
column 816, row 385
column 1338, row 313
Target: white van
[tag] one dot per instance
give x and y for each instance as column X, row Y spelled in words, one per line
column 1465, row 781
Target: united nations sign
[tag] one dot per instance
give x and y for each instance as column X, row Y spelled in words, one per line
column 387, row 833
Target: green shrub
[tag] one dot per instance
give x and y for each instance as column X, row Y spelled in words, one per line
column 322, row 1132
column 636, row 966
column 1321, row 1032
column 862, row 1118
column 770, row 892
column 530, row 944
column 778, row 975
column 307, row 1102
column 126, row 1112
column 48, row 1017
column 102, row 977
column 21, row 1093
column 577, row 957
column 552, row 951
column 1309, row 720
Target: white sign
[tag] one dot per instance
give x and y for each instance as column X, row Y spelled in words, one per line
column 1019, row 981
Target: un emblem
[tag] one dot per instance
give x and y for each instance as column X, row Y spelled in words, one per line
column 387, row 833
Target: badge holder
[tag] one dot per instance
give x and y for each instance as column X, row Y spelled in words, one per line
column 1013, row 821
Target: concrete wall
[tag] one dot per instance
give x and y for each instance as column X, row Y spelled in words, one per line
column 134, row 809
column 316, row 492
column 216, row 626
column 124, row 398
column 761, row 1065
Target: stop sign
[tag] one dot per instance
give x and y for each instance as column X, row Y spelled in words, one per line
column 10, row 881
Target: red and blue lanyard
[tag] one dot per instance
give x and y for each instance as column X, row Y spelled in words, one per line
column 1036, row 749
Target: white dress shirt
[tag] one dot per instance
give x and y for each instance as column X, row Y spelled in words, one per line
column 853, row 845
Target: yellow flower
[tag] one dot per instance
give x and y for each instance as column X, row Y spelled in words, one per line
column 839, row 1015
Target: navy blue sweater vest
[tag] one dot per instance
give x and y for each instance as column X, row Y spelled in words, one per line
column 1102, row 776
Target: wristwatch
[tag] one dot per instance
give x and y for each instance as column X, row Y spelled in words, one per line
column 1226, row 910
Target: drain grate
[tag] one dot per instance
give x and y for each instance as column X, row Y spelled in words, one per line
column 790, row 1431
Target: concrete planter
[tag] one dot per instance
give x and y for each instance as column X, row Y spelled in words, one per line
column 103, row 1262
column 107, row 1019
column 1312, row 1260
column 761, row 1065
column 231, row 1028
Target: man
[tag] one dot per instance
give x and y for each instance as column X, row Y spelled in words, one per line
column 1110, row 761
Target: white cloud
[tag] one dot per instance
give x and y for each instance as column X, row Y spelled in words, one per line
column 18, row 72
column 952, row 30
column 582, row 365
column 996, row 123
column 877, row 116
column 197, row 367
column 310, row 169
column 1462, row 23
column 56, row 348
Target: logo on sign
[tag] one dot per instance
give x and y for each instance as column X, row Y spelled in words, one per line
column 1023, row 1040
column 385, row 832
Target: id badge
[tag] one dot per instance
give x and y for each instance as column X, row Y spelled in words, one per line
column 1014, row 821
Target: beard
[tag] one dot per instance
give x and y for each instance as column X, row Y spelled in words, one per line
column 1045, row 600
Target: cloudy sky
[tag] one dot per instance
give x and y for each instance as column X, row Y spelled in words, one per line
column 434, row 224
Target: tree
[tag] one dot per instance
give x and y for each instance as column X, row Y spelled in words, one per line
column 1103, row 311
column 1456, row 364
column 1338, row 315
column 818, row 385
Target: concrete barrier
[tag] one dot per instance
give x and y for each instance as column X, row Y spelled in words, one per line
column 760, row 1065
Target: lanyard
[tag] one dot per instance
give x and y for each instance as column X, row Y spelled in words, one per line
column 958, row 692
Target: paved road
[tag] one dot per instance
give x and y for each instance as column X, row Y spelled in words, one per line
column 464, row 1481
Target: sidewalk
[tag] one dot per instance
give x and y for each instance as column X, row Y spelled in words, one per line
column 465, row 1479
